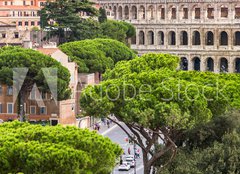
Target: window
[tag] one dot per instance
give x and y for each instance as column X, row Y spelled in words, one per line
column 44, row 95
column 163, row 13
column 4, row 35
column 39, row 23
column 42, row 110
column 16, row 35
column 0, row 89
column 237, row 13
column 24, row 2
column 10, row 108
column 197, row 13
column 32, row 23
column 41, row 3
column 11, row 2
column 1, row 111
column 19, row 23
column 9, row 90
column 26, row 23
column 174, row 13
column 185, row 13
column 32, row 109
column 210, row 13
column 31, row 2
column 224, row 12
column 33, row 94
column 5, row 3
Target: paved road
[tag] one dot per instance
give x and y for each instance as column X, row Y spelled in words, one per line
column 117, row 135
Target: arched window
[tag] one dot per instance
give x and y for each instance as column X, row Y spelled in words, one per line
column 160, row 38
column 237, row 65
column 237, row 38
column 173, row 13
column 115, row 12
column 172, row 38
column 134, row 12
column 223, row 38
column 209, row 38
column 210, row 64
column 210, row 12
column 150, row 38
column 120, row 12
column 224, row 11
column 151, row 12
column 141, row 38
column 184, row 64
column 196, row 64
column 126, row 12
column 161, row 12
column 142, row 12
column 223, row 65
column 184, row 38
column 196, row 39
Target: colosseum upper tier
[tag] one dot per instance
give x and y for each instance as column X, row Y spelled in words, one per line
column 204, row 33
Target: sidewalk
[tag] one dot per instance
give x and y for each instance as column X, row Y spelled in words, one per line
column 104, row 128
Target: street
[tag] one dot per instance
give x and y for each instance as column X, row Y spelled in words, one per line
column 117, row 135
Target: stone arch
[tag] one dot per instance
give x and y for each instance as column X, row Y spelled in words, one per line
column 184, row 64
column 161, row 12
column 237, row 38
column 196, row 63
column 151, row 11
column 209, row 38
column 196, row 38
column 142, row 12
column 120, row 12
column 160, row 38
column 183, row 38
column 115, row 12
column 150, row 38
column 141, row 38
column 237, row 65
column 210, row 64
column 126, row 12
column 134, row 12
column 172, row 38
column 223, row 38
column 223, row 65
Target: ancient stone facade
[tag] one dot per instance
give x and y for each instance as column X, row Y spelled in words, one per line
column 204, row 33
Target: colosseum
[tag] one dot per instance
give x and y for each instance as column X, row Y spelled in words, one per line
column 205, row 34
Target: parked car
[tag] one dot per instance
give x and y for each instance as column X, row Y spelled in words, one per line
column 129, row 157
column 124, row 166
column 131, row 162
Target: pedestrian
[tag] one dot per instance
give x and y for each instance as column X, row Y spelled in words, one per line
column 98, row 127
column 108, row 123
column 121, row 160
column 129, row 151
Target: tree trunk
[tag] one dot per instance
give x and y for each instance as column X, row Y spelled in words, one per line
column 21, row 105
column 147, row 168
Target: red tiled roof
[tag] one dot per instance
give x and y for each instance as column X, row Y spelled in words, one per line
column 47, row 51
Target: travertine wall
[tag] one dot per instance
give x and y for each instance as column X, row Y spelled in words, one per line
column 204, row 33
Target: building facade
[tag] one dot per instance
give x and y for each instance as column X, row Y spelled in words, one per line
column 23, row 13
column 205, row 34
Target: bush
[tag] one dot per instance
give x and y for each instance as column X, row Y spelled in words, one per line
column 36, row 149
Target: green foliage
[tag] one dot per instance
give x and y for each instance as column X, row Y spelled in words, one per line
column 97, row 55
column 36, row 149
column 216, row 159
column 102, row 15
column 16, row 57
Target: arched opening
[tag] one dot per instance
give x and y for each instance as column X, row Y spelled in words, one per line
column 173, row 13
column 210, row 64
column 237, row 38
column 237, row 65
column 161, row 12
column 160, row 38
column 209, row 38
column 184, row 38
column 172, row 38
column 223, row 65
column 223, row 38
column 196, row 64
column 115, row 12
column 120, row 12
column 196, row 40
column 150, row 38
column 133, row 40
column 141, row 38
column 142, row 12
column 134, row 12
column 126, row 12
column 151, row 12
column 184, row 64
